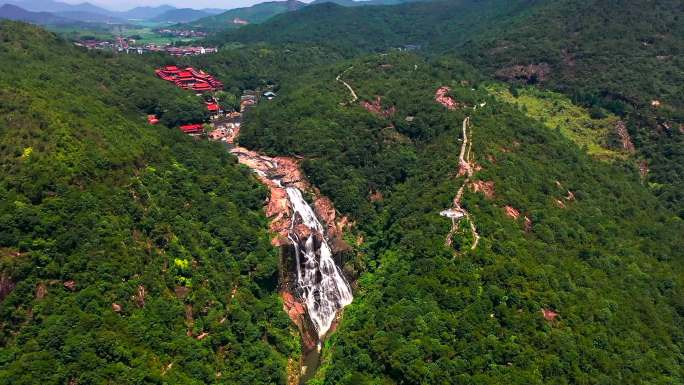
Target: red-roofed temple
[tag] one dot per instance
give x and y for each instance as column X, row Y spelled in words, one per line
column 189, row 78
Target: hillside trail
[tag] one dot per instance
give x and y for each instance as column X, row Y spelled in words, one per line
column 465, row 167
column 351, row 90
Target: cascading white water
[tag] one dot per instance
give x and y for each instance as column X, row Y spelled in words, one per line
column 322, row 284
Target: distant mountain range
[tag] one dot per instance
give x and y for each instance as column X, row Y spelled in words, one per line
column 209, row 19
column 12, row 12
column 355, row 3
column 181, row 15
column 55, row 12
column 261, row 12
column 255, row 14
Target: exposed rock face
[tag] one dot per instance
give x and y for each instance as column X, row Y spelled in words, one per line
column 643, row 169
column 139, row 298
column 549, row 314
column 464, row 168
column 6, row 285
column 375, row 107
column 181, row 291
column 41, row 290
column 297, row 313
column 623, row 134
column 70, row 285
column 335, row 225
column 288, row 170
column 530, row 74
column 570, row 196
column 376, row 196
column 302, row 231
column 278, row 172
column 528, row 224
column 486, row 188
column 442, row 97
column 512, row 212
column 189, row 319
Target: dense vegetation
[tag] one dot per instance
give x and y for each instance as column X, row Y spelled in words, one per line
column 132, row 254
column 607, row 260
column 614, row 56
column 257, row 13
column 124, row 243
column 352, row 30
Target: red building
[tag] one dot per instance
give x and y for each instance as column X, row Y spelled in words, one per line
column 189, row 78
column 213, row 107
column 192, row 128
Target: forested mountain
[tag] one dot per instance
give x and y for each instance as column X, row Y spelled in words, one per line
column 86, row 12
column 129, row 253
column 146, row 12
column 559, row 230
column 357, row 3
column 237, row 17
column 595, row 51
column 181, row 15
column 12, row 12
column 505, row 177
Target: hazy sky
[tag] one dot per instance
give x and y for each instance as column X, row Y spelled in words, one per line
column 127, row 4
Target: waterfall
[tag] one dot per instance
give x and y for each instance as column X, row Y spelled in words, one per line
column 320, row 281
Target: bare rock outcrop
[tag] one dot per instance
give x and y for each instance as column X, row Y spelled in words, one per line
column 139, row 297
column 623, row 134
column 512, row 212
column 484, row 187
column 6, row 285
column 375, row 107
column 549, row 314
column 643, row 169
column 442, row 97
column 530, row 74
column 70, row 285
column 297, row 313
column 528, row 224
column 41, row 290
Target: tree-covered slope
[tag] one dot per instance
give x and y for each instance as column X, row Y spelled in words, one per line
column 356, row 29
column 619, row 56
column 599, row 249
column 257, row 13
column 129, row 253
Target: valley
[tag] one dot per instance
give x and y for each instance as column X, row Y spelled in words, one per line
column 421, row 192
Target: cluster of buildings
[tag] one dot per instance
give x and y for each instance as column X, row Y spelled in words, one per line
column 189, row 79
column 189, row 51
column 225, row 124
column 250, row 98
column 129, row 46
column 184, row 33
